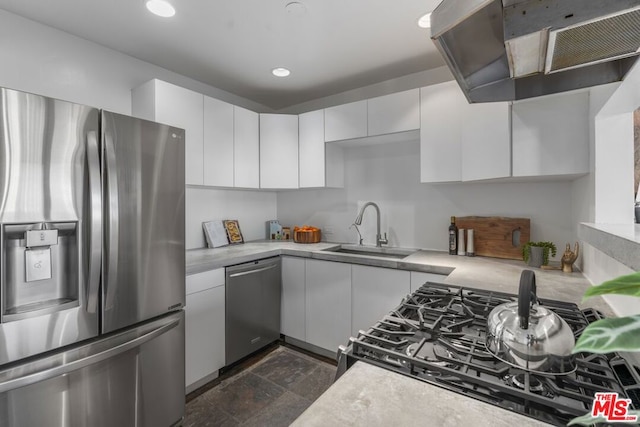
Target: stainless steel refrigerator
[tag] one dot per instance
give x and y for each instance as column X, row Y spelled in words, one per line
column 92, row 266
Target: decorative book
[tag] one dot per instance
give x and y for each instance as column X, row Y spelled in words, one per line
column 233, row 231
column 215, row 234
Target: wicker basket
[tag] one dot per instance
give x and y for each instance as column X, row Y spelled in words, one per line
column 300, row 236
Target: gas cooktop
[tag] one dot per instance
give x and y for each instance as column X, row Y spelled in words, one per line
column 437, row 335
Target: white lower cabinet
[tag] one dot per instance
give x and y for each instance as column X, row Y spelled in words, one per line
column 418, row 278
column 328, row 304
column 375, row 292
column 205, row 327
column 292, row 310
column 325, row 302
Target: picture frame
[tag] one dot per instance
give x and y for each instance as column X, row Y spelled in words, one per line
column 234, row 235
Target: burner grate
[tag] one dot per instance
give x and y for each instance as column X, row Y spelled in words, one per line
column 437, row 335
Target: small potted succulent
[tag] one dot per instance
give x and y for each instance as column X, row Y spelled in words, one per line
column 536, row 254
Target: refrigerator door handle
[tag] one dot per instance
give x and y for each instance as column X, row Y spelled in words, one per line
column 65, row 366
column 95, row 201
column 111, row 259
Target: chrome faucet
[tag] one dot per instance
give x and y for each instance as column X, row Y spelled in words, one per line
column 379, row 239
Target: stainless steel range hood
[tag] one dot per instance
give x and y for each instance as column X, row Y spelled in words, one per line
column 504, row 50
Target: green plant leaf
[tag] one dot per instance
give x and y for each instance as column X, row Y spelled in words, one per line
column 613, row 334
column 587, row 419
column 623, row 285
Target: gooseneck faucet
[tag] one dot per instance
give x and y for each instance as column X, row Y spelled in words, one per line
column 379, row 240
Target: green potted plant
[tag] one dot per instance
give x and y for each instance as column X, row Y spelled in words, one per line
column 536, row 254
column 612, row 334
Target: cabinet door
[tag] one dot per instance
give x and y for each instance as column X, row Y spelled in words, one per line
column 551, row 135
column 205, row 334
column 182, row 108
column 218, row 143
column 397, row 112
column 441, row 118
column 278, row 151
column 292, row 311
column 375, row 292
column 246, row 149
column 345, row 121
column 419, row 278
column 312, row 149
column 176, row 106
column 328, row 303
column 486, row 141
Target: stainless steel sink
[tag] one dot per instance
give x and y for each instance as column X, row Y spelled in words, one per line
column 396, row 253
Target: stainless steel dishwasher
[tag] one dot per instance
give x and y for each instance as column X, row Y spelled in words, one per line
column 252, row 307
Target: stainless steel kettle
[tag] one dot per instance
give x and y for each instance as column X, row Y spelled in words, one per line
column 529, row 336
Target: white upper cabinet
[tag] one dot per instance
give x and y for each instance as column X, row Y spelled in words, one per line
column 486, row 141
column 442, row 116
column 246, row 148
column 345, row 121
column 320, row 164
column 176, row 106
column 551, row 135
column 397, row 112
column 279, row 151
column 461, row 141
column 311, row 145
column 218, row 143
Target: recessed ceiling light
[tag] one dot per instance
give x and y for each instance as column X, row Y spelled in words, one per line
column 425, row 21
column 161, row 8
column 280, row 72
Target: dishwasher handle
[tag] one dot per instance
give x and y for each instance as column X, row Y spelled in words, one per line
column 257, row 270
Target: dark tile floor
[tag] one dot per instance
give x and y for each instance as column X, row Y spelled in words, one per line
column 270, row 389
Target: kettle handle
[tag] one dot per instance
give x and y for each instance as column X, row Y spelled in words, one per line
column 526, row 296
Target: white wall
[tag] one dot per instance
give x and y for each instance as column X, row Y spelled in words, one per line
column 417, row 215
column 598, row 268
column 251, row 208
column 614, row 192
column 411, row 81
column 43, row 60
column 46, row 61
column 606, row 195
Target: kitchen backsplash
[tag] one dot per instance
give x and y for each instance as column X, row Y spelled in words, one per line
column 251, row 208
column 417, row 215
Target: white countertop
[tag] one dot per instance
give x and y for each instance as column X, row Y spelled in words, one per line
column 367, row 395
column 476, row 272
column 619, row 241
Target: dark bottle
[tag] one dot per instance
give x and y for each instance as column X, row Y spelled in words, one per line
column 453, row 237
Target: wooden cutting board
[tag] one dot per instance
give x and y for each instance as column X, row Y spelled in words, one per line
column 498, row 237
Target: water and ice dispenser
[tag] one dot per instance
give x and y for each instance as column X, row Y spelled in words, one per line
column 40, row 269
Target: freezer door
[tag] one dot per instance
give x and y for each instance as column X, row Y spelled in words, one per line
column 143, row 189
column 132, row 378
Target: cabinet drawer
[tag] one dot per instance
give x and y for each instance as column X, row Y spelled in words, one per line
column 206, row 280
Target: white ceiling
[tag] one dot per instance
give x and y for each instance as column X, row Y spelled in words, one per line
column 330, row 46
